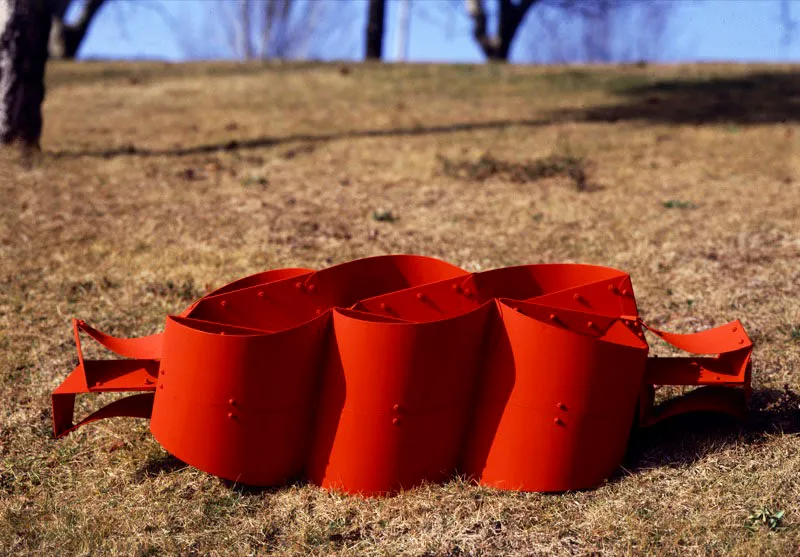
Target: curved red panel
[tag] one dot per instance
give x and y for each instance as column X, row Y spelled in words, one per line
column 238, row 404
column 556, row 408
column 400, row 396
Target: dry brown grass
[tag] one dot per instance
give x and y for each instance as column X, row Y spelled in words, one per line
column 159, row 181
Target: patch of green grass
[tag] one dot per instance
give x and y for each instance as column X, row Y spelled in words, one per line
column 255, row 180
column 678, row 204
column 625, row 83
column 384, row 215
column 583, row 81
column 765, row 518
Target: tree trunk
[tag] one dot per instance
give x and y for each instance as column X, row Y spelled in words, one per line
column 510, row 15
column 375, row 20
column 245, row 41
column 403, row 30
column 66, row 39
column 24, row 30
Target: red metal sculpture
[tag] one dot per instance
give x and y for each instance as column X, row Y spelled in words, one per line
column 378, row 374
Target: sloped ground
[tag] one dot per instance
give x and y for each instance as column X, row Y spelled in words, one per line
column 158, row 182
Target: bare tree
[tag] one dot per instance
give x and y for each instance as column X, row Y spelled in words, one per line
column 595, row 22
column 66, row 38
column 243, row 30
column 788, row 23
column 376, row 15
column 598, row 33
column 651, row 25
column 24, row 29
column 267, row 29
column 403, row 30
column 510, row 15
column 608, row 31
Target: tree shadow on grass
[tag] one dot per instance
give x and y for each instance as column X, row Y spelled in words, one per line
column 688, row 438
column 259, row 142
column 757, row 98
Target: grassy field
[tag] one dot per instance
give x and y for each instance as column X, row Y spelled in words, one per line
column 158, row 182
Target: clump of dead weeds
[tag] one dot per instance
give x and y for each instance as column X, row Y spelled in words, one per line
column 184, row 291
column 487, row 166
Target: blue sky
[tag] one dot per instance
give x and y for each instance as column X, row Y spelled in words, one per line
column 699, row 30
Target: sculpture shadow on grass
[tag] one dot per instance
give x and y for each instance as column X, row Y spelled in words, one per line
column 688, row 438
column 679, row 441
